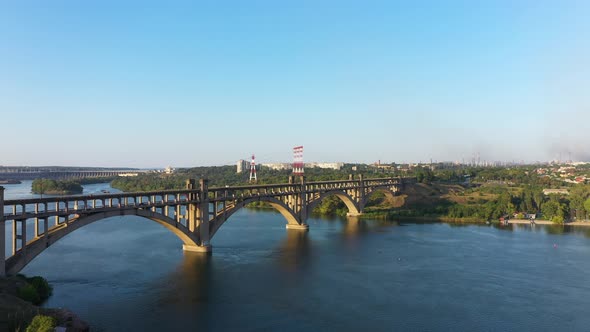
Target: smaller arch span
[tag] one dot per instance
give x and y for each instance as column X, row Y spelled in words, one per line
column 390, row 194
column 36, row 246
column 278, row 205
column 353, row 208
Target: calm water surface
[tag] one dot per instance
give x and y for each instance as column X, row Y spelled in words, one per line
column 130, row 274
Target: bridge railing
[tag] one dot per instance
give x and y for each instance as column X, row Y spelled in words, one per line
column 245, row 192
column 70, row 205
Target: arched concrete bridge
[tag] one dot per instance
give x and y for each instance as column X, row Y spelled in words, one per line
column 194, row 214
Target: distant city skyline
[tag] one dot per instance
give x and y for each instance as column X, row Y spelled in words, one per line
column 144, row 84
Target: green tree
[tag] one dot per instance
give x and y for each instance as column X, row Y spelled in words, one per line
column 576, row 203
column 29, row 293
column 538, row 199
column 587, row 205
column 42, row 286
column 553, row 208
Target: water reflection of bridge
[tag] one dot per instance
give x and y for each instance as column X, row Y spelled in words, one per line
column 194, row 214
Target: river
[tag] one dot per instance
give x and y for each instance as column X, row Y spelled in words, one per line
column 130, row 274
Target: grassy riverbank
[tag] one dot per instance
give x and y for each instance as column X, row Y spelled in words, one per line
column 447, row 203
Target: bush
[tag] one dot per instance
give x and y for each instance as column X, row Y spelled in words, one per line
column 29, row 293
column 557, row 219
column 42, row 323
column 42, row 286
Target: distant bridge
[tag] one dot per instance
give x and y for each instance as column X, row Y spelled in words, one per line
column 31, row 173
column 194, row 214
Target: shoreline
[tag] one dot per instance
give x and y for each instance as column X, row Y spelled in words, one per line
column 547, row 222
column 478, row 221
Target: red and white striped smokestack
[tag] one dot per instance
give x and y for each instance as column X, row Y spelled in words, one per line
column 298, row 160
column 253, row 169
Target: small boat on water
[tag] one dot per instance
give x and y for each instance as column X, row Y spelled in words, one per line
column 104, row 191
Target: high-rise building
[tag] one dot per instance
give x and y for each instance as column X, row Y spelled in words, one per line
column 242, row 166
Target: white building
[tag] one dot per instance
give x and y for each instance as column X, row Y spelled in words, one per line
column 287, row 166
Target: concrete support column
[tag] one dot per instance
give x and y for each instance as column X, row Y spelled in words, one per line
column 303, row 201
column 23, row 239
column 215, row 205
column 191, row 220
column 165, row 208
column 46, row 230
column 291, row 199
column 14, row 229
column 56, row 213
column 204, row 214
column 224, row 203
column 361, row 197
column 36, row 220
column 177, row 214
column 2, row 235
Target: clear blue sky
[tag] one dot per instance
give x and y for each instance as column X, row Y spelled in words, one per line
column 147, row 84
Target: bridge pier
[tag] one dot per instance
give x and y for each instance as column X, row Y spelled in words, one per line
column 201, row 249
column 354, row 214
column 298, row 226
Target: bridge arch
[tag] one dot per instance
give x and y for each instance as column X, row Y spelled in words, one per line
column 278, row 205
column 385, row 190
column 351, row 205
column 17, row 262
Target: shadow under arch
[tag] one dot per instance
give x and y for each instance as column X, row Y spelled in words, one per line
column 352, row 207
column 281, row 207
column 36, row 246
